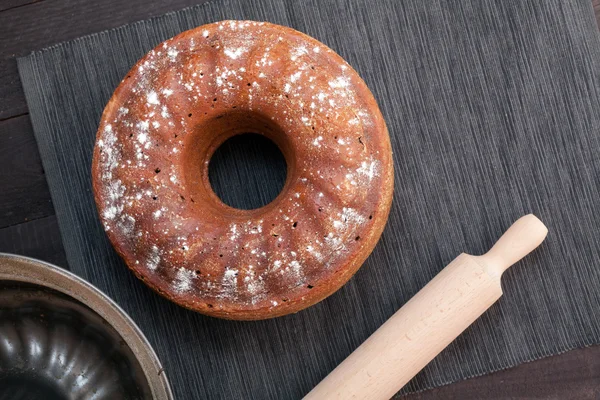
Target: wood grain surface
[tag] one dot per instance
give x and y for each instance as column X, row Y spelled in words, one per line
column 28, row 225
column 38, row 239
column 10, row 4
column 572, row 375
column 24, row 195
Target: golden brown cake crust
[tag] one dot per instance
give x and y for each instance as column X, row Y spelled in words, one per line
column 173, row 110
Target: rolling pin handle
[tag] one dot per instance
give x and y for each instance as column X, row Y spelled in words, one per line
column 527, row 233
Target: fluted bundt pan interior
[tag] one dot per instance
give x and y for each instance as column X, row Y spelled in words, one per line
column 55, row 347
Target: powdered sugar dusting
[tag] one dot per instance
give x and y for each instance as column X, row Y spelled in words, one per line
column 110, row 151
column 234, row 53
column 315, row 253
column 234, row 233
column 351, row 216
column 229, row 283
column 183, row 280
column 152, row 97
column 369, row 170
column 276, row 253
column 153, row 258
column 114, row 189
column 172, row 53
column 339, row 82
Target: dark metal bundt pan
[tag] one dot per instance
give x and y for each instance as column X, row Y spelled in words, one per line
column 63, row 339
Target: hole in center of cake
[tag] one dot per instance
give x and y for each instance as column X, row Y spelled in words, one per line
column 236, row 162
column 247, row 171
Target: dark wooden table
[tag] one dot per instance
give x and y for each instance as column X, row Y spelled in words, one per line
column 28, row 224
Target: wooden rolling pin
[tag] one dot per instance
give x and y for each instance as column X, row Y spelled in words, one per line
column 429, row 321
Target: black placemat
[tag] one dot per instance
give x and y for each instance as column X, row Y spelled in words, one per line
column 493, row 111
